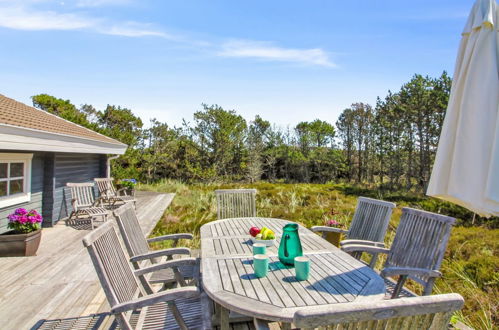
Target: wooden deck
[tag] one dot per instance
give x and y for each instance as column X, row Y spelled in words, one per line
column 60, row 282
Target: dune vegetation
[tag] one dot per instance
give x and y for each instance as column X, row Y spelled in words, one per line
column 470, row 266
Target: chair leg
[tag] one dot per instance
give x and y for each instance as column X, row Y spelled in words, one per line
column 399, row 286
column 429, row 286
column 178, row 316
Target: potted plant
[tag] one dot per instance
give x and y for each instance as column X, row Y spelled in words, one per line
column 333, row 237
column 129, row 186
column 25, row 235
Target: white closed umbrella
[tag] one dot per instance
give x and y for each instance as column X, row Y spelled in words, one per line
column 466, row 169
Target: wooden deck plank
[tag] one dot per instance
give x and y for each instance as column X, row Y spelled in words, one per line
column 60, row 282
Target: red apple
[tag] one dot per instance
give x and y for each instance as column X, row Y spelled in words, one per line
column 254, row 231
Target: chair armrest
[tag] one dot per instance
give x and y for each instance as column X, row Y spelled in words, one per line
column 170, row 237
column 261, row 324
column 166, row 264
column 118, row 192
column 170, row 295
column 364, row 248
column 361, row 242
column 98, row 201
column 74, row 204
column 395, row 271
column 105, row 193
column 328, row 229
column 160, row 253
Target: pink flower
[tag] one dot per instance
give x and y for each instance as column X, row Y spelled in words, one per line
column 33, row 212
column 332, row 223
column 13, row 217
column 21, row 211
column 22, row 221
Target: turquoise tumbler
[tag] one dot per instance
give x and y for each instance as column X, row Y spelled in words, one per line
column 302, row 268
column 261, row 265
column 259, row 248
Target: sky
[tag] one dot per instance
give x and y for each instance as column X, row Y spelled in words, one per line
column 287, row 61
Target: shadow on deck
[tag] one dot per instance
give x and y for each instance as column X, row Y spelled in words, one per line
column 59, row 288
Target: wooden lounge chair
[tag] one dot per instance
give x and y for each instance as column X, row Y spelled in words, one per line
column 133, row 307
column 417, row 250
column 236, row 203
column 110, row 196
column 431, row 312
column 84, row 203
column 138, row 249
column 369, row 224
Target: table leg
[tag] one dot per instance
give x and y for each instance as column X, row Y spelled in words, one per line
column 224, row 318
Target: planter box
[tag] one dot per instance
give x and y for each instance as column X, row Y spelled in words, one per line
column 333, row 238
column 18, row 245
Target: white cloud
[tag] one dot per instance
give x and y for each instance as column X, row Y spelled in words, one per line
column 24, row 19
column 266, row 51
column 27, row 17
column 134, row 29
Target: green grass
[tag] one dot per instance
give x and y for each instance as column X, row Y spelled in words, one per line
column 471, row 265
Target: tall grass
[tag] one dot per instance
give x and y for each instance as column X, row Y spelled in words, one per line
column 471, row 265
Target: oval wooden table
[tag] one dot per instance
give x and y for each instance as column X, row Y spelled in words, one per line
column 228, row 275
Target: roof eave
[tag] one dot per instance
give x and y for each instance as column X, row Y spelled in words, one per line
column 21, row 138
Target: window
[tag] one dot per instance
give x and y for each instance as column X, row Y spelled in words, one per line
column 15, row 179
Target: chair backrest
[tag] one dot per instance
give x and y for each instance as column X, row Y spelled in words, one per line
column 135, row 241
column 420, row 242
column 105, row 186
column 82, row 194
column 236, row 203
column 111, row 264
column 370, row 220
column 427, row 312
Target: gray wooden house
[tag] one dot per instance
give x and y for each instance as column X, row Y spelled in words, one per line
column 39, row 154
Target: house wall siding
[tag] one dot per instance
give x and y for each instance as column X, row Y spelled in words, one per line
column 49, row 174
column 37, row 183
column 72, row 168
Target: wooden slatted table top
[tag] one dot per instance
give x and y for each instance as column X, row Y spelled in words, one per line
column 228, row 275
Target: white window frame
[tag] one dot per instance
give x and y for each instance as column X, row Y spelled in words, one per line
column 19, row 198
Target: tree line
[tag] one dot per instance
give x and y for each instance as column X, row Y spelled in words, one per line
column 391, row 144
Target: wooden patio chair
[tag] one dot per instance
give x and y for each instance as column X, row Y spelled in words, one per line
column 110, row 196
column 369, row 224
column 416, row 253
column 431, row 312
column 236, row 203
column 84, row 203
column 132, row 306
column 138, row 248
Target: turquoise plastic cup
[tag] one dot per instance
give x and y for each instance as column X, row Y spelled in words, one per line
column 259, row 248
column 261, row 265
column 302, row 268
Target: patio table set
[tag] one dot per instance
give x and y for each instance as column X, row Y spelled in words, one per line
column 224, row 289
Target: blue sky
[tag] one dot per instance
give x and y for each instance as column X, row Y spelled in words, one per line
column 288, row 61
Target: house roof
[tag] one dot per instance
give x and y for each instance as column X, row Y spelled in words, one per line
column 17, row 118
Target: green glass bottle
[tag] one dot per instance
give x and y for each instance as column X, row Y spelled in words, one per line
column 290, row 246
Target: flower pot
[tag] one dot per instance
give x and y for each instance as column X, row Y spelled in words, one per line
column 333, row 238
column 18, row 245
